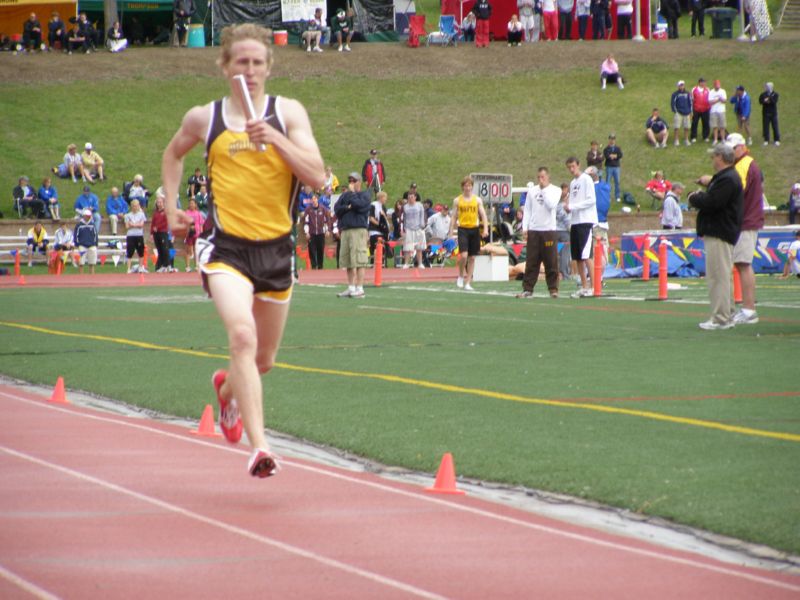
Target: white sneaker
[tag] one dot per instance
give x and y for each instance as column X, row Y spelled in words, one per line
column 777, row 143
column 604, row 86
column 713, row 325
column 345, row 294
column 308, row 48
column 340, row 48
column 469, row 288
column 317, row 49
column 405, row 266
column 621, row 85
column 749, row 141
column 358, row 294
column 583, row 293
column 142, row 270
column 188, row 269
column 460, row 282
column 664, row 144
column 766, row 143
column 688, row 143
column 677, row 142
column 347, row 48
column 742, row 318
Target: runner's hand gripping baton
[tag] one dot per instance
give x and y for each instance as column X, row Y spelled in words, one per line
column 247, row 102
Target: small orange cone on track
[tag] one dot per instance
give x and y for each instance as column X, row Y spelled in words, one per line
column 206, row 427
column 58, row 395
column 21, row 280
column 445, row 478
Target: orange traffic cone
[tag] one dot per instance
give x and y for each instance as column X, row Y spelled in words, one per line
column 141, row 278
column 58, row 396
column 206, row 427
column 445, row 478
column 21, row 280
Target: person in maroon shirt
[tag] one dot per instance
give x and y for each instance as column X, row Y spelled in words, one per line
column 159, row 229
column 316, row 222
column 700, row 109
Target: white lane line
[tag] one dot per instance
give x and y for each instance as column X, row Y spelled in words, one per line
column 33, row 589
column 267, row 541
column 437, row 501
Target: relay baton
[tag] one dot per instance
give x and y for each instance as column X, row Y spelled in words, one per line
column 247, row 103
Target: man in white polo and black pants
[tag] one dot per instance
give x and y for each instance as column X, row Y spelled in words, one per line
column 582, row 206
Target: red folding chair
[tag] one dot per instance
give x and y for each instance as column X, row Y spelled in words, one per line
column 416, row 30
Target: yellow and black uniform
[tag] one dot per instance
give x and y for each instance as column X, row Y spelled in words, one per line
column 252, row 207
column 469, row 238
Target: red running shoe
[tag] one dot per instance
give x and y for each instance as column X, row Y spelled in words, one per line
column 230, row 421
column 263, row 464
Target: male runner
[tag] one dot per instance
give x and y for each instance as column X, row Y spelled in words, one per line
column 467, row 210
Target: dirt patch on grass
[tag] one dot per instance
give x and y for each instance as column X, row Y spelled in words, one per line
column 383, row 60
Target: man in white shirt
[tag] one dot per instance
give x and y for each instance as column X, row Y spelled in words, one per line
column 438, row 225
column 582, row 206
column 718, row 99
column 671, row 215
column 539, row 220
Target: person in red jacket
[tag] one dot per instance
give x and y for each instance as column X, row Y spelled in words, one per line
column 372, row 173
column 159, row 229
column 700, row 109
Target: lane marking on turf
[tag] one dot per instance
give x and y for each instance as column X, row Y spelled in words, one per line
column 189, row 514
column 442, row 387
column 481, row 512
column 33, row 589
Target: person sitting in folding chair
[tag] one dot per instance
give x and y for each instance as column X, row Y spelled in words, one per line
column 657, row 188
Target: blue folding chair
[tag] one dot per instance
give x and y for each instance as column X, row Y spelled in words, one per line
column 447, row 34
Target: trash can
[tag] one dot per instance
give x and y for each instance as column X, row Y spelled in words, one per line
column 197, row 36
column 721, row 22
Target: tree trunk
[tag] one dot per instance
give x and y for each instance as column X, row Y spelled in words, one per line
column 110, row 14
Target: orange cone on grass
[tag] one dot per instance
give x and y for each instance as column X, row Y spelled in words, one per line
column 445, row 478
column 206, row 427
column 737, row 286
column 58, row 396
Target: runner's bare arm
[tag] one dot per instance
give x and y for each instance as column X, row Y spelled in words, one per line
column 298, row 147
column 191, row 132
column 484, row 220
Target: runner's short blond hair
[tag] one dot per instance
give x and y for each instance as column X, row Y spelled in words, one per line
column 245, row 31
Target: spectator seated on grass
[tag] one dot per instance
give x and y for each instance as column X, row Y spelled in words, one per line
column 56, row 32
column 656, row 130
column 32, row 34
column 72, row 166
column 115, row 39
column 657, row 188
column 77, row 40
column 93, row 163
column 49, row 197
column 37, row 241
column 25, row 200
column 136, row 190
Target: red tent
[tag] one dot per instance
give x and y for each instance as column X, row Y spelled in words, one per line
column 503, row 9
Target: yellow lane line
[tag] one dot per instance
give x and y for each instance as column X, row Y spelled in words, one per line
column 443, row 387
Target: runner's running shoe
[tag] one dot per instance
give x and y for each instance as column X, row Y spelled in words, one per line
column 263, row 464
column 230, row 421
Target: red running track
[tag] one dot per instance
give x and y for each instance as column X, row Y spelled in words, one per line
column 95, row 505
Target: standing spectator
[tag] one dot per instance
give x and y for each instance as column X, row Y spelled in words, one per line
column 316, row 223
column 681, row 105
column 468, row 27
column 562, row 233
column 343, row 29
column 49, row 197
column 331, row 181
column 135, row 221
column 719, row 221
column 193, row 231
column 116, row 208
column 609, row 72
column 718, row 99
column 656, row 130
column 742, row 108
column 56, row 32
column 414, row 222
column 582, row 206
column 352, row 217
column 326, row 196
column 602, row 194
column 115, row 39
column 582, row 10
column 88, row 201
column 37, row 240
column 613, row 155
column 378, row 223
column 700, row 110
column 93, row 163
column 698, row 10
column 550, row 20
column 794, row 203
column 201, row 199
column 194, row 182
column 599, row 10
column 624, row 12
column 85, row 236
column 671, row 11
column 594, row 157
column 159, row 230
column 372, row 173
column 397, row 220
column 769, row 113
column 182, row 11
column 565, row 18
column 671, row 215
column 32, row 33
column 468, row 214
column 539, row 225
column 515, row 31
column 529, row 19
column 25, row 199
column 483, row 12
column 438, row 225
column 752, row 221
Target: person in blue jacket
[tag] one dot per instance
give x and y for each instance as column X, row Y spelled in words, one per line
column 88, row 200
column 85, row 236
column 741, row 107
column 116, row 207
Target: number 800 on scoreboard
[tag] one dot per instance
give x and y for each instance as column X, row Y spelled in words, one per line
column 493, row 188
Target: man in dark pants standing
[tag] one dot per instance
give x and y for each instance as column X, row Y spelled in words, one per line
column 352, row 213
column 769, row 113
